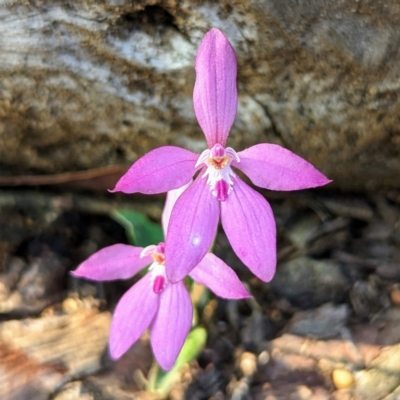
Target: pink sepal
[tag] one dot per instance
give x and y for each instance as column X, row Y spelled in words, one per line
column 132, row 316
column 171, row 324
column 249, row 224
column 219, row 277
column 119, row 261
column 215, row 95
column 191, row 230
column 273, row 167
column 162, row 169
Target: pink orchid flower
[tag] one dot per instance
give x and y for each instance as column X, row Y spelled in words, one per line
column 217, row 191
column 153, row 301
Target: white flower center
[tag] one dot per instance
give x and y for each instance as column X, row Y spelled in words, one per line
column 158, row 277
column 218, row 161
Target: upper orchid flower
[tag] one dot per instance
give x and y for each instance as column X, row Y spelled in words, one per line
column 246, row 216
column 154, row 301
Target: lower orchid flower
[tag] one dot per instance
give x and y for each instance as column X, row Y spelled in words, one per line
column 154, row 302
column 218, row 191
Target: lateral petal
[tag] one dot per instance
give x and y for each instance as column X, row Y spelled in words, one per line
column 273, row 167
column 215, row 95
column 160, row 170
column 219, row 277
column 133, row 314
column 171, row 324
column 249, row 224
column 192, row 229
column 172, row 197
column 119, row 261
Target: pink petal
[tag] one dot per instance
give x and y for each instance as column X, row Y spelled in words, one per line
column 172, row 197
column 215, row 95
column 119, row 261
column 219, row 277
column 249, row 224
column 171, row 324
column 273, row 167
column 133, row 314
column 162, row 169
column 191, row 230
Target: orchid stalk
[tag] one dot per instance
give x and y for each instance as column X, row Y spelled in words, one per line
column 154, row 302
column 218, row 192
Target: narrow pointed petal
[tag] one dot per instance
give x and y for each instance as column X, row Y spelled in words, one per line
column 192, row 229
column 215, row 95
column 133, row 314
column 119, row 261
column 162, row 169
column 249, row 224
column 219, row 277
column 273, row 167
column 171, row 324
column 172, row 197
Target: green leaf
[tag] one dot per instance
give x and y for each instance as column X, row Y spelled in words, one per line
column 161, row 381
column 139, row 229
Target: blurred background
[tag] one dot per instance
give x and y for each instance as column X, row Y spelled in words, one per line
column 88, row 87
